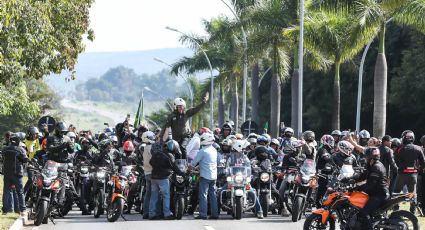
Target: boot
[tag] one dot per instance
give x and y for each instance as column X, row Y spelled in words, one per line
column 285, row 212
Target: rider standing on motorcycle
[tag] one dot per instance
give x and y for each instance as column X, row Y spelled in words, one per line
column 238, row 158
column 59, row 146
column 84, row 155
column 178, row 121
column 409, row 159
column 376, row 185
column 324, row 159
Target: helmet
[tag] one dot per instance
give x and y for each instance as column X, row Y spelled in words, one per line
column 252, row 138
column 103, row 136
column 227, row 126
column 128, row 146
column 231, row 137
column 364, row 134
column 262, row 140
column 238, row 146
column 239, row 136
column 179, row 102
column 336, row 132
column 408, row 137
column 395, row 143
column 173, row 146
column 345, row 147
column 422, row 140
column 275, row 142
column 113, row 138
column 269, row 138
column 345, row 133
column 226, row 142
column 231, row 123
column 372, row 153
column 327, row 140
column 289, row 130
column 20, row 135
column 309, row 136
column 71, row 135
column 207, row 139
column 33, row 131
column 60, row 127
column 148, row 137
column 109, row 130
column 261, row 150
column 14, row 139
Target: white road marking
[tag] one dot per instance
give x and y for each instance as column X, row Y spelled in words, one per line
column 207, row 227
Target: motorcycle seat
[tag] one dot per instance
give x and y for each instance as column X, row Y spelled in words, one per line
column 391, row 202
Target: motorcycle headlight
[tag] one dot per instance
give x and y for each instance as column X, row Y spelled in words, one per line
column 84, row 170
column 238, row 179
column 248, row 180
column 264, row 177
column 179, row 179
column 229, row 179
column 100, row 174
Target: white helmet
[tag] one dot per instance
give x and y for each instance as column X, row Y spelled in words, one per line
column 179, row 101
column 238, row 145
column 148, row 137
column 113, row 138
column 207, row 138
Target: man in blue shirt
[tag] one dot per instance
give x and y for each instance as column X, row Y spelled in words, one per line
column 207, row 161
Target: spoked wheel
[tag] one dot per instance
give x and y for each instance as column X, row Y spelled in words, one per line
column 406, row 220
column 115, row 210
column 98, row 204
column 314, row 222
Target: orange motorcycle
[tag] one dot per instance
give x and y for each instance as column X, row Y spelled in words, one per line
column 115, row 202
column 343, row 205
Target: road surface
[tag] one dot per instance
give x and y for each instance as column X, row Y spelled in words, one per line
column 75, row 221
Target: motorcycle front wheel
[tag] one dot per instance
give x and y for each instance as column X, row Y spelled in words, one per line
column 98, row 203
column 264, row 203
column 407, row 218
column 297, row 209
column 41, row 214
column 115, row 210
column 238, row 208
column 314, row 222
column 179, row 207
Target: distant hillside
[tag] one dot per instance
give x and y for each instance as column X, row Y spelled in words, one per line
column 93, row 65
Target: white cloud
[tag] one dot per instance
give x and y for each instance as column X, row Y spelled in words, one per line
column 125, row 25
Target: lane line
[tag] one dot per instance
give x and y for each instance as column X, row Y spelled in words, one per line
column 207, row 227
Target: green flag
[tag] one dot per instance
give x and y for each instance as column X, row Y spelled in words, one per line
column 266, row 127
column 136, row 119
column 142, row 113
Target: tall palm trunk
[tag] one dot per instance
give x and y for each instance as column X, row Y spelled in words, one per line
column 275, row 96
column 220, row 106
column 336, row 98
column 294, row 93
column 255, row 92
column 380, row 89
column 235, row 105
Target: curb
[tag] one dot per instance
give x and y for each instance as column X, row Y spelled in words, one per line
column 18, row 224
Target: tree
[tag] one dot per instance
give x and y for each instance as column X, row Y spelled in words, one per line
column 373, row 16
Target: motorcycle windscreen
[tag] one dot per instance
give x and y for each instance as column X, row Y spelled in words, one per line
column 308, row 167
column 238, row 170
column 126, row 170
column 50, row 169
column 181, row 164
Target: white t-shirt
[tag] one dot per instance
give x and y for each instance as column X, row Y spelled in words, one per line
column 193, row 147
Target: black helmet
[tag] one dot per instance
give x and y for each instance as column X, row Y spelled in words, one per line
column 309, row 136
column 173, row 147
column 33, row 130
column 261, row 152
column 395, row 143
column 372, row 153
column 227, row 125
column 407, row 137
column 60, row 127
column 14, row 139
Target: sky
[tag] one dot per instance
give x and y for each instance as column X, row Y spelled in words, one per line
column 134, row 25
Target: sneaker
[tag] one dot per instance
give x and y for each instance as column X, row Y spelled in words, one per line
column 23, row 213
column 285, row 212
column 200, row 218
column 260, row 215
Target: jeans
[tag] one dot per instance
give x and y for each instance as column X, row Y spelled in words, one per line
column 207, row 189
column 29, row 181
column 147, row 197
column 163, row 187
column 371, row 206
column 8, row 199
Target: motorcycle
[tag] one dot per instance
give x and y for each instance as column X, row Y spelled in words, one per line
column 236, row 194
column 33, row 191
column 49, row 184
column 100, row 177
column 118, row 185
column 305, row 184
column 132, row 187
column 289, row 176
column 82, row 181
column 263, row 181
column 179, row 189
column 342, row 204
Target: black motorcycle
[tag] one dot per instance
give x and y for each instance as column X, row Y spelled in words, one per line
column 100, row 177
column 179, row 192
column 82, row 185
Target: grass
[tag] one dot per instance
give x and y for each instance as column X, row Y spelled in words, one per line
column 406, row 206
column 84, row 120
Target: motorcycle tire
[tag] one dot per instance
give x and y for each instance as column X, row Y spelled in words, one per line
column 314, row 221
column 276, row 208
column 41, row 212
column 179, row 208
column 264, row 204
column 69, row 201
column 98, row 204
column 297, row 209
column 238, row 208
column 115, row 210
column 403, row 215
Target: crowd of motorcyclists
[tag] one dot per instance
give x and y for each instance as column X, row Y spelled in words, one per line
column 170, row 172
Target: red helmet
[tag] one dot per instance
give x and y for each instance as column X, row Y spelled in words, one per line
column 204, row 130
column 128, row 146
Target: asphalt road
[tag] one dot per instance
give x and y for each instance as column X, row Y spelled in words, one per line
column 75, row 221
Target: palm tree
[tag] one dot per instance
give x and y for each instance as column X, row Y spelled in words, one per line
column 329, row 34
column 373, row 15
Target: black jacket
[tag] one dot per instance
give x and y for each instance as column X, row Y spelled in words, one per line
column 178, row 123
column 14, row 158
column 59, row 148
column 387, row 159
column 409, row 156
column 376, row 182
column 323, row 157
column 163, row 164
column 339, row 160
